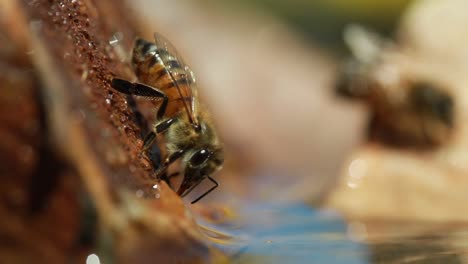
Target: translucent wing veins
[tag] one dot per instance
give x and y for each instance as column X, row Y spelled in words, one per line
column 163, row 44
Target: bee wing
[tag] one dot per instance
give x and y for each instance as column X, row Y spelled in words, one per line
column 365, row 45
column 187, row 80
column 193, row 88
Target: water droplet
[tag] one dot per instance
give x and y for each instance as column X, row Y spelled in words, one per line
column 149, row 192
column 357, row 169
column 93, row 259
column 116, row 38
column 109, row 99
column 157, row 195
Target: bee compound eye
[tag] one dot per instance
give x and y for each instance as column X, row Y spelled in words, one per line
column 443, row 109
column 199, row 157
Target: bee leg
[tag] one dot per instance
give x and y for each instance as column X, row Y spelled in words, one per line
column 141, row 89
column 148, row 141
column 168, row 161
column 139, row 118
column 162, row 108
column 207, row 192
column 159, row 128
column 164, row 125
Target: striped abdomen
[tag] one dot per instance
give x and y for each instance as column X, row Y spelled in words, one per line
column 162, row 69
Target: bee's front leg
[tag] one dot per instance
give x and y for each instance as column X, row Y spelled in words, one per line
column 148, row 141
column 168, row 161
column 159, row 128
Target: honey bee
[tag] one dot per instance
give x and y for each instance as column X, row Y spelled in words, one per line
column 187, row 129
column 406, row 111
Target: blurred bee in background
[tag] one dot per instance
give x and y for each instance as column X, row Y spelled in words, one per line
column 184, row 124
column 405, row 111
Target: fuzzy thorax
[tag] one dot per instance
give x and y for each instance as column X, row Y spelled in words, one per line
column 182, row 135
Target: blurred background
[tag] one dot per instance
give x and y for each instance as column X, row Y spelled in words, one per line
column 322, row 22
column 310, row 176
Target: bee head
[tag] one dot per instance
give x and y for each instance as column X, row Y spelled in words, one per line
column 199, row 164
column 430, row 100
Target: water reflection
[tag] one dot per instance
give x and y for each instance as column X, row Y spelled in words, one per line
column 297, row 233
column 292, row 233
